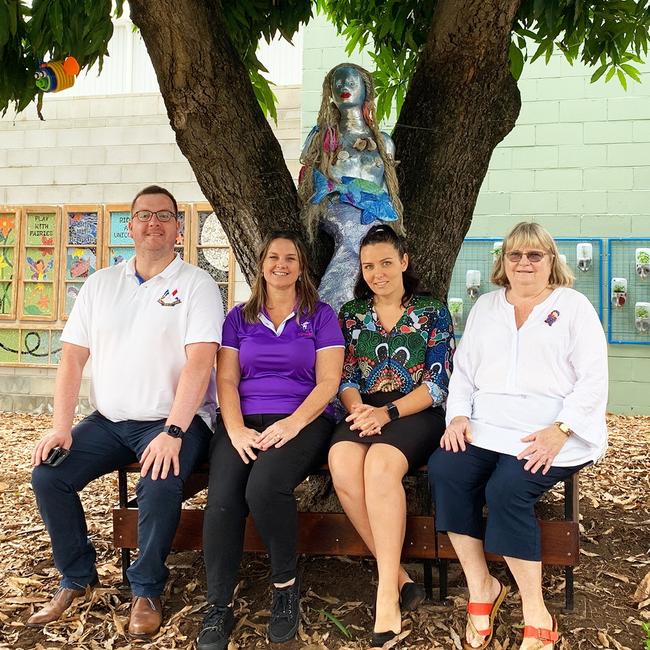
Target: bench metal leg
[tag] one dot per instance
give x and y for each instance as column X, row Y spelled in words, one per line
column 126, row 563
column 571, row 513
column 427, row 566
column 443, row 566
column 568, row 589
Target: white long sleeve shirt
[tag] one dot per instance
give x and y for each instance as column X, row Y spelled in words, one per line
column 513, row 382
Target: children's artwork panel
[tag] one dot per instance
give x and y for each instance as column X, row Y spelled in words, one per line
column 7, row 228
column 9, row 345
column 38, row 299
column 34, row 346
column 82, row 228
column 119, row 255
column 40, row 229
column 39, row 264
column 7, row 256
column 119, row 232
column 80, row 263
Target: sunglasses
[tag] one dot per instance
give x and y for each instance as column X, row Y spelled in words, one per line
column 161, row 215
column 534, row 257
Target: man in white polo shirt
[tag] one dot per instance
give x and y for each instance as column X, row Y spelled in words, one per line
column 151, row 328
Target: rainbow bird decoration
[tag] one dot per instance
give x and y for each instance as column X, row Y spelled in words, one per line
column 55, row 76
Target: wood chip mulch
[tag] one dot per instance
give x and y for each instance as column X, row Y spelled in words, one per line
column 612, row 581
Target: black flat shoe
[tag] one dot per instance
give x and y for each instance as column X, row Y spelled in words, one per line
column 411, row 595
column 377, row 639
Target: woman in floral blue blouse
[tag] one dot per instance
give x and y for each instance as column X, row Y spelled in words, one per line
column 398, row 359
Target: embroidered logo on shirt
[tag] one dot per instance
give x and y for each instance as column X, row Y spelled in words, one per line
column 169, row 300
column 305, row 329
column 552, row 317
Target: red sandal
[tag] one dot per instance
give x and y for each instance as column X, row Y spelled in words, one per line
column 544, row 637
column 484, row 609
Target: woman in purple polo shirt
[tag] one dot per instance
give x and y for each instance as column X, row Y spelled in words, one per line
column 398, row 355
column 279, row 366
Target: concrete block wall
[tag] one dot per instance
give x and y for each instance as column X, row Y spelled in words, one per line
column 102, row 150
column 578, row 161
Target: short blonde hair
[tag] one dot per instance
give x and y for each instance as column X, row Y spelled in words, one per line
column 532, row 236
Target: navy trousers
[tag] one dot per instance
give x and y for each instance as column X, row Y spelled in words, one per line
column 463, row 482
column 100, row 446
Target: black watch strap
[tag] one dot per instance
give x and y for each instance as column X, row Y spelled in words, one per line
column 393, row 411
column 173, row 431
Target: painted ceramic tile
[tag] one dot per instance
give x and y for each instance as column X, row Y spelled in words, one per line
column 6, row 263
column 39, row 264
column 71, row 293
column 55, row 346
column 80, row 263
column 119, row 232
column 7, row 229
column 5, row 297
column 35, row 346
column 38, row 299
column 40, row 229
column 82, row 228
column 118, row 255
column 9, row 346
column 211, row 232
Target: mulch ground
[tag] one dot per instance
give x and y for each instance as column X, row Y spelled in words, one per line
column 612, row 581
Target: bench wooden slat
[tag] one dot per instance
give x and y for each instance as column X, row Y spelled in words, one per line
column 319, row 534
column 560, row 542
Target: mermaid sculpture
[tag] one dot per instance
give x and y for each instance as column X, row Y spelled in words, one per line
column 348, row 181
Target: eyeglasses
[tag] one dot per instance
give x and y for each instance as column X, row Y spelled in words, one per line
column 534, row 257
column 161, row 215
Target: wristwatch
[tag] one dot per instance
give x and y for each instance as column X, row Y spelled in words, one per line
column 173, row 431
column 393, row 411
column 564, row 428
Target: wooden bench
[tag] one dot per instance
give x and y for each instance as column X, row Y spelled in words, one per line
column 332, row 533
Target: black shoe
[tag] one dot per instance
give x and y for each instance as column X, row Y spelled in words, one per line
column 378, row 639
column 411, row 595
column 285, row 613
column 217, row 626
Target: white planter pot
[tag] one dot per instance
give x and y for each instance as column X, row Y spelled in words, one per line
column 642, row 259
column 642, row 317
column 473, row 283
column 584, row 256
column 618, row 292
column 456, row 310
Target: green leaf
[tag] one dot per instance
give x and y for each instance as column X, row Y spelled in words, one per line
column 516, row 61
column 341, row 627
column 622, row 78
column 599, row 73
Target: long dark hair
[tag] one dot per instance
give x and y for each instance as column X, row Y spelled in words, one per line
column 383, row 234
column 307, row 296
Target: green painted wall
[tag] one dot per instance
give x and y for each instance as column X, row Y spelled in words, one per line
column 578, row 162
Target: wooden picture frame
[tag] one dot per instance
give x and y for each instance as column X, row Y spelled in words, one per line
column 9, row 293
column 66, row 245
column 39, row 266
column 110, row 234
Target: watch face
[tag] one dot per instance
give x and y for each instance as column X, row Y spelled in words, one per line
column 174, row 431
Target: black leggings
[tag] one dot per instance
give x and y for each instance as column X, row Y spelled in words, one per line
column 265, row 488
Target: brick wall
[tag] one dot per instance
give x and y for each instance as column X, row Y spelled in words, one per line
column 102, row 150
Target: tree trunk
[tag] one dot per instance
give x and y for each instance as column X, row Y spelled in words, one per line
column 219, row 125
column 461, row 103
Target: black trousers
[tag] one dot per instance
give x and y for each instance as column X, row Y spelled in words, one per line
column 265, row 488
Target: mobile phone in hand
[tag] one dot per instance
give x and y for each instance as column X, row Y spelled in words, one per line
column 56, row 456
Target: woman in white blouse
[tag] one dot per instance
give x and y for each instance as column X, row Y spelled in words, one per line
column 526, row 409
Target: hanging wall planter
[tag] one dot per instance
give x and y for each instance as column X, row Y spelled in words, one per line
column 642, row 258
column 456, row 310
column 619, row 292
column 642, row 317
column 473, row 283
column 497, row 249
column 584, row 256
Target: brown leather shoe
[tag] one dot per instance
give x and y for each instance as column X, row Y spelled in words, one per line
column 62, row 599
column 146, row 616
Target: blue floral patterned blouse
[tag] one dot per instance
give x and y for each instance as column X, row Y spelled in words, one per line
column 418, row 350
